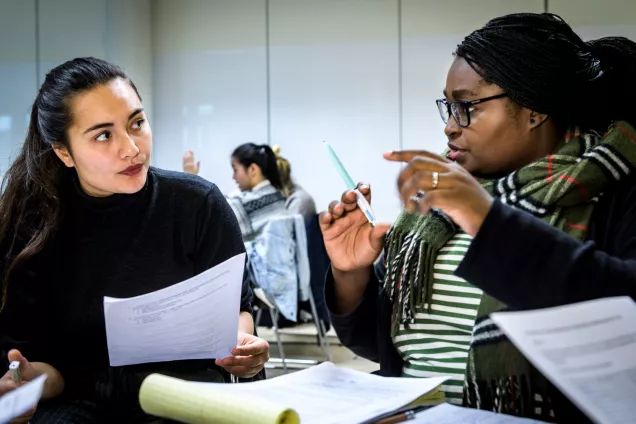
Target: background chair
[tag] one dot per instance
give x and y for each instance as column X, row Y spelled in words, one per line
column 279, row 269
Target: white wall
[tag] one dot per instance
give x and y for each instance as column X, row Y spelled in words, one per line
column 38, row 35
column 115, row 30
column 128, row 43
column 333, row 71
column 18, row 79
column 210, row 82
column 334, row 76
column 594, row 18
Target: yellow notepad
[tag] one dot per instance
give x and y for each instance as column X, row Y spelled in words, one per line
column 184, row 401
column 431, row 398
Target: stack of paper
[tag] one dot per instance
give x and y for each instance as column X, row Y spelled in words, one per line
column 322, row 394
column 449, row 414
column 587, row 350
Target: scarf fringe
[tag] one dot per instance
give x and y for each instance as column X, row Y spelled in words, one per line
column 512, row 395
column 410, row 259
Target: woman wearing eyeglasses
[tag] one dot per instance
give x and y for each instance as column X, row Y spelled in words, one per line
column 533, row 205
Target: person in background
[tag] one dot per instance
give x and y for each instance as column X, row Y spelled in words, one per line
column 85, row 216
column 298, row 200
column 190, row 165
column 532, row 206
column 256, row 173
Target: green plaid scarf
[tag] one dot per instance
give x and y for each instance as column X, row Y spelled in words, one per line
column 561, row 189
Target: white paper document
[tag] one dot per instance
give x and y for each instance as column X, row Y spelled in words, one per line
column 587, row 350
column 328, row 394
column 194, row 319
column 17, row 402
column 450, row 414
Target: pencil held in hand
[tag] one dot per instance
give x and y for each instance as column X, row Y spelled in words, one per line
column 363, row 204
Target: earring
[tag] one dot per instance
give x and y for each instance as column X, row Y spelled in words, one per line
column 532, row 121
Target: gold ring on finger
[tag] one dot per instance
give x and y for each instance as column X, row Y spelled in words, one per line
column 435, row 178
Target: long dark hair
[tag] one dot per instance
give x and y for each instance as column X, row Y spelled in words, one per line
column 34, row 186
column 542, row 64
column 263, row 156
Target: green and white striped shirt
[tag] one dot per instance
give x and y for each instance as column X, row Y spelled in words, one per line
column 437, row 343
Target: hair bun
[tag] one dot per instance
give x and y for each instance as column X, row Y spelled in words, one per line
column 276, row 150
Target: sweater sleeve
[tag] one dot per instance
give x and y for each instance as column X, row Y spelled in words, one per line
column 358, row 329
column 219, row 239
column 529, row 264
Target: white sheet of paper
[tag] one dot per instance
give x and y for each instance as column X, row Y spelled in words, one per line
column 16, row 402
column 194, row 319
column 329, row 394
column 451, row 414
column 587, row 350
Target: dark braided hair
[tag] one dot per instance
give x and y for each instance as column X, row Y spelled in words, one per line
column 543, row 65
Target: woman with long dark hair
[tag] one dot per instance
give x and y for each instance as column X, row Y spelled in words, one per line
column 83, row 216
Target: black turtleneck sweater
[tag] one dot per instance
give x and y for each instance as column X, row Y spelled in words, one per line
column 176, row 227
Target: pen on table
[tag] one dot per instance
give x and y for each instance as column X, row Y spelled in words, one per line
column 364, row 206
column 399, row 418
column 14, row 367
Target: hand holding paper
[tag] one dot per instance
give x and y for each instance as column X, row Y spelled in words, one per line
column 21, row 405
column 194, row 319
column 250, row 355
column 18, row 403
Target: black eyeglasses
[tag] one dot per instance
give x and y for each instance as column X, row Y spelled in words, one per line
column 461, row 109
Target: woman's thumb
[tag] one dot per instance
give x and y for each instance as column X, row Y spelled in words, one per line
column 15, row 355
